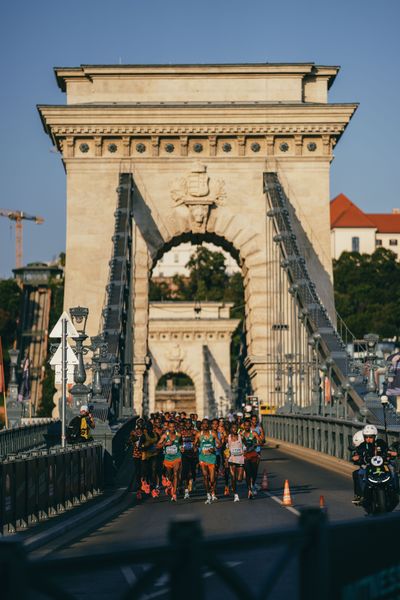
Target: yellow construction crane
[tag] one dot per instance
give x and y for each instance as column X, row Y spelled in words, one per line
column 18, row 216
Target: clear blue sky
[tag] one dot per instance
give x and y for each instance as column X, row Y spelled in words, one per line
column 360, row 35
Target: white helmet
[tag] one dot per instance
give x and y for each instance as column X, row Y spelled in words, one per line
column 84, row 408
column 358, row 438
column 369, row 430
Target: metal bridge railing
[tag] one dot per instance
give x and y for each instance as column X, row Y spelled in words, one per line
column 318, row 558
column 24, row 438
column 41, row 484
column 329, row 345
column 324, row 434
column 115, row 313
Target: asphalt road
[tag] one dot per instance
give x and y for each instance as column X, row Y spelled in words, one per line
column 148, row 522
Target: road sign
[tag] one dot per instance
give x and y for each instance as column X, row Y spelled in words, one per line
column 64, row 361
column 57, row 357
column 57, row 329
column 58, row 374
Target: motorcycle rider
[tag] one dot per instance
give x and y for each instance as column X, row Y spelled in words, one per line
column 358, row 439
column 372, row 446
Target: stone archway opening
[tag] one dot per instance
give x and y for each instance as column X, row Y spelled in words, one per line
column 196, row 302
column 175, row 392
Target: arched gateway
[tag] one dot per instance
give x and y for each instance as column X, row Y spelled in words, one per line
column 197, row 140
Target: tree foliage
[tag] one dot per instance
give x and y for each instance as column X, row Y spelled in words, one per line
column 367, row 292
column 10, row 303
column 207, row 281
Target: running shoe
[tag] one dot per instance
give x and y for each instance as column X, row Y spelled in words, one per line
column 173, row 497
column 226, row 490
column 236, row 498
column 208, row 501
column 155, row 493
column 146, row 488
column 143, row 486
column 186, row 496
column 254, row 490
column 250, row 495
column 214, row 498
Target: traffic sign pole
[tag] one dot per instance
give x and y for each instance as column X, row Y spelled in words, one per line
column 64, row 374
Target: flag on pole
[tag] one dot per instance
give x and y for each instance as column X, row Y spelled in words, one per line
column 2, row 377
column 24, row 392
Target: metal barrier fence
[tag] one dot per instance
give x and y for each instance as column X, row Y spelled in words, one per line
column 322, row 560
column 324, row 434
column 24, row 437
column 40, row 484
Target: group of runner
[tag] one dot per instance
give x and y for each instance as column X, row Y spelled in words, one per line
column 170, row 450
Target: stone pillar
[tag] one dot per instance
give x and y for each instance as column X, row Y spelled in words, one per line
column 140, row 307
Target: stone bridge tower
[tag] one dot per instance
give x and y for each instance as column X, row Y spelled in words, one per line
column 197, row 140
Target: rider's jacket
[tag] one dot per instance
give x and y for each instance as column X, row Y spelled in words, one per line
column 366, row 451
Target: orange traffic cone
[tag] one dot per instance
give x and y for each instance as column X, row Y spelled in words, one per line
column 264, row 482
column 287, row 499
column 322, row 503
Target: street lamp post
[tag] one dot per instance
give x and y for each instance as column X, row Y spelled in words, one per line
column 13, row 408
column 80, row 392
column 314, row 341
column 289, row 389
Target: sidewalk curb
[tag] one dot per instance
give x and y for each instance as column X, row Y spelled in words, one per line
column 337, row 465
column 40, row 539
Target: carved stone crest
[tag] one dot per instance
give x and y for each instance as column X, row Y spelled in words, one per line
column 175, row 356
column 196, row 193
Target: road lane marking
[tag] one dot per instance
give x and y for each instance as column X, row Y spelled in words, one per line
column 164, row 579
column 129, row 575
column 289, row 508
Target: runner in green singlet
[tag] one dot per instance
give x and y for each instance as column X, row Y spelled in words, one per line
column 250, row 440
column 207, row 442
column 171, row 442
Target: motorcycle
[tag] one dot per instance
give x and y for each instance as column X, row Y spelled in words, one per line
column 380, row 495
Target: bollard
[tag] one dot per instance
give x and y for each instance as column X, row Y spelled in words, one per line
column 61, row 478
column 313, row 556
column 51, row 485
column 75, row 475
column 21, row 493
column 7, row 495
column 186, row 560
column 13, row 569
column 32, row 490
column 42, row 484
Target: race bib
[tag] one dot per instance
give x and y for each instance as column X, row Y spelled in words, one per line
column 237, row 452
column 171, row 450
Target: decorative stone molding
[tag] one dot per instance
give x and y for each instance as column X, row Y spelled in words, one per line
column 270, row 145
column 184, row 145
column 98, row 144
column 212, row 140
column 67, row 147
column 241, row 145
column 298, row 145
column 326, row 144
column 151, row 130
column 126, row 146
column 155, row 145
column 194, row 192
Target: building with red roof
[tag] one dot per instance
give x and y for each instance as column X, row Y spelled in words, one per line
column 353, row 230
